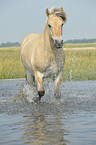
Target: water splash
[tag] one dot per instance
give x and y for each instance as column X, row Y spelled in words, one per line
column 30, row 93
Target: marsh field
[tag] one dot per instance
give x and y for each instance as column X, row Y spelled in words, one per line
column 80, row 62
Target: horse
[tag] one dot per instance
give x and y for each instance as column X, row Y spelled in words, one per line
column 43, row 54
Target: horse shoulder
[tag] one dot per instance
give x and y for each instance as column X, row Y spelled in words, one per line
column 27, row 47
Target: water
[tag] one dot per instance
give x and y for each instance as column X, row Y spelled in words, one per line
column 70, row 120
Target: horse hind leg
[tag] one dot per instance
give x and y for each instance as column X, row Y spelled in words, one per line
column 34, row 82
column 30, row 78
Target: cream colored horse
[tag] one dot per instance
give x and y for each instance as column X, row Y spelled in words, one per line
column 43, row 55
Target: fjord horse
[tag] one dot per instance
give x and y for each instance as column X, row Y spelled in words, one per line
column 43, row 54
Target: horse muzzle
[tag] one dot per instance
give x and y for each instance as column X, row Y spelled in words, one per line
column 58, row 43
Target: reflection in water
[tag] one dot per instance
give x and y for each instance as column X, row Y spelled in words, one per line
column 73, row 119
column 40, row 130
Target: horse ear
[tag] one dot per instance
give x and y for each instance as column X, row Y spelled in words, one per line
column 61, row 9
column 47, row 12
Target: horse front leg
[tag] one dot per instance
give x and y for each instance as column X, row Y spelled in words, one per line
column 38, row 78
column 57, row 93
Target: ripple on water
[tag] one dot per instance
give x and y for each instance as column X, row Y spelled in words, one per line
column 70, row 120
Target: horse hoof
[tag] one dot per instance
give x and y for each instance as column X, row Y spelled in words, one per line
column 38, row 98
column 41, row 93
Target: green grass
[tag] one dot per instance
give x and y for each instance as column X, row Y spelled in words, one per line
column 80, row 45
column 79, row 65
column 10, row 64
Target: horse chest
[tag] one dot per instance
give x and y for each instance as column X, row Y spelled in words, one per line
column 53, row 69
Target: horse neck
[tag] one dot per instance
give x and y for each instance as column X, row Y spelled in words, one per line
column 48, row 41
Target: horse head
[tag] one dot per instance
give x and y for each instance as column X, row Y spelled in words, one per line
column 56, row 18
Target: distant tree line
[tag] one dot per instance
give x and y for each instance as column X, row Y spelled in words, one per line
column 10, row 44
column 81, row 41
column 17, row 44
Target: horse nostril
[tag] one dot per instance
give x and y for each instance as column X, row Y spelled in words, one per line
column 58, row 43
column 61, row 41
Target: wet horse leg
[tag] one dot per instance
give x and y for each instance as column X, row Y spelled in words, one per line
column 57, row 93
column 38, row 78
column 30, row 78
column 31, row 81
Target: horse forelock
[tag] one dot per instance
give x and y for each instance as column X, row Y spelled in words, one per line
column 59, row 13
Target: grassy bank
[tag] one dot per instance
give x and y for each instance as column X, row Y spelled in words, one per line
column 80, row 45
column 10, row 64
column 80, row 64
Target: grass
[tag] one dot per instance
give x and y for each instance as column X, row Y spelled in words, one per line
column 80, row 63
column 80, row 45
column 10, row 64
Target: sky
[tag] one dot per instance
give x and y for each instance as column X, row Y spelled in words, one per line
column 18, row 18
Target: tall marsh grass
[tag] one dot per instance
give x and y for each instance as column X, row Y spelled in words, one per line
column 79, row 65
column 80, row 45
column 10, row 64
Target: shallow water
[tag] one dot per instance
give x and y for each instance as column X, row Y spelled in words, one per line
column 70, row 120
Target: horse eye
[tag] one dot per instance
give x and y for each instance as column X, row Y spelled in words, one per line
column 49, row 26
column 62, row 25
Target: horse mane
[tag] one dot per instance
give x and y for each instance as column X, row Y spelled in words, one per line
column 59, row 12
